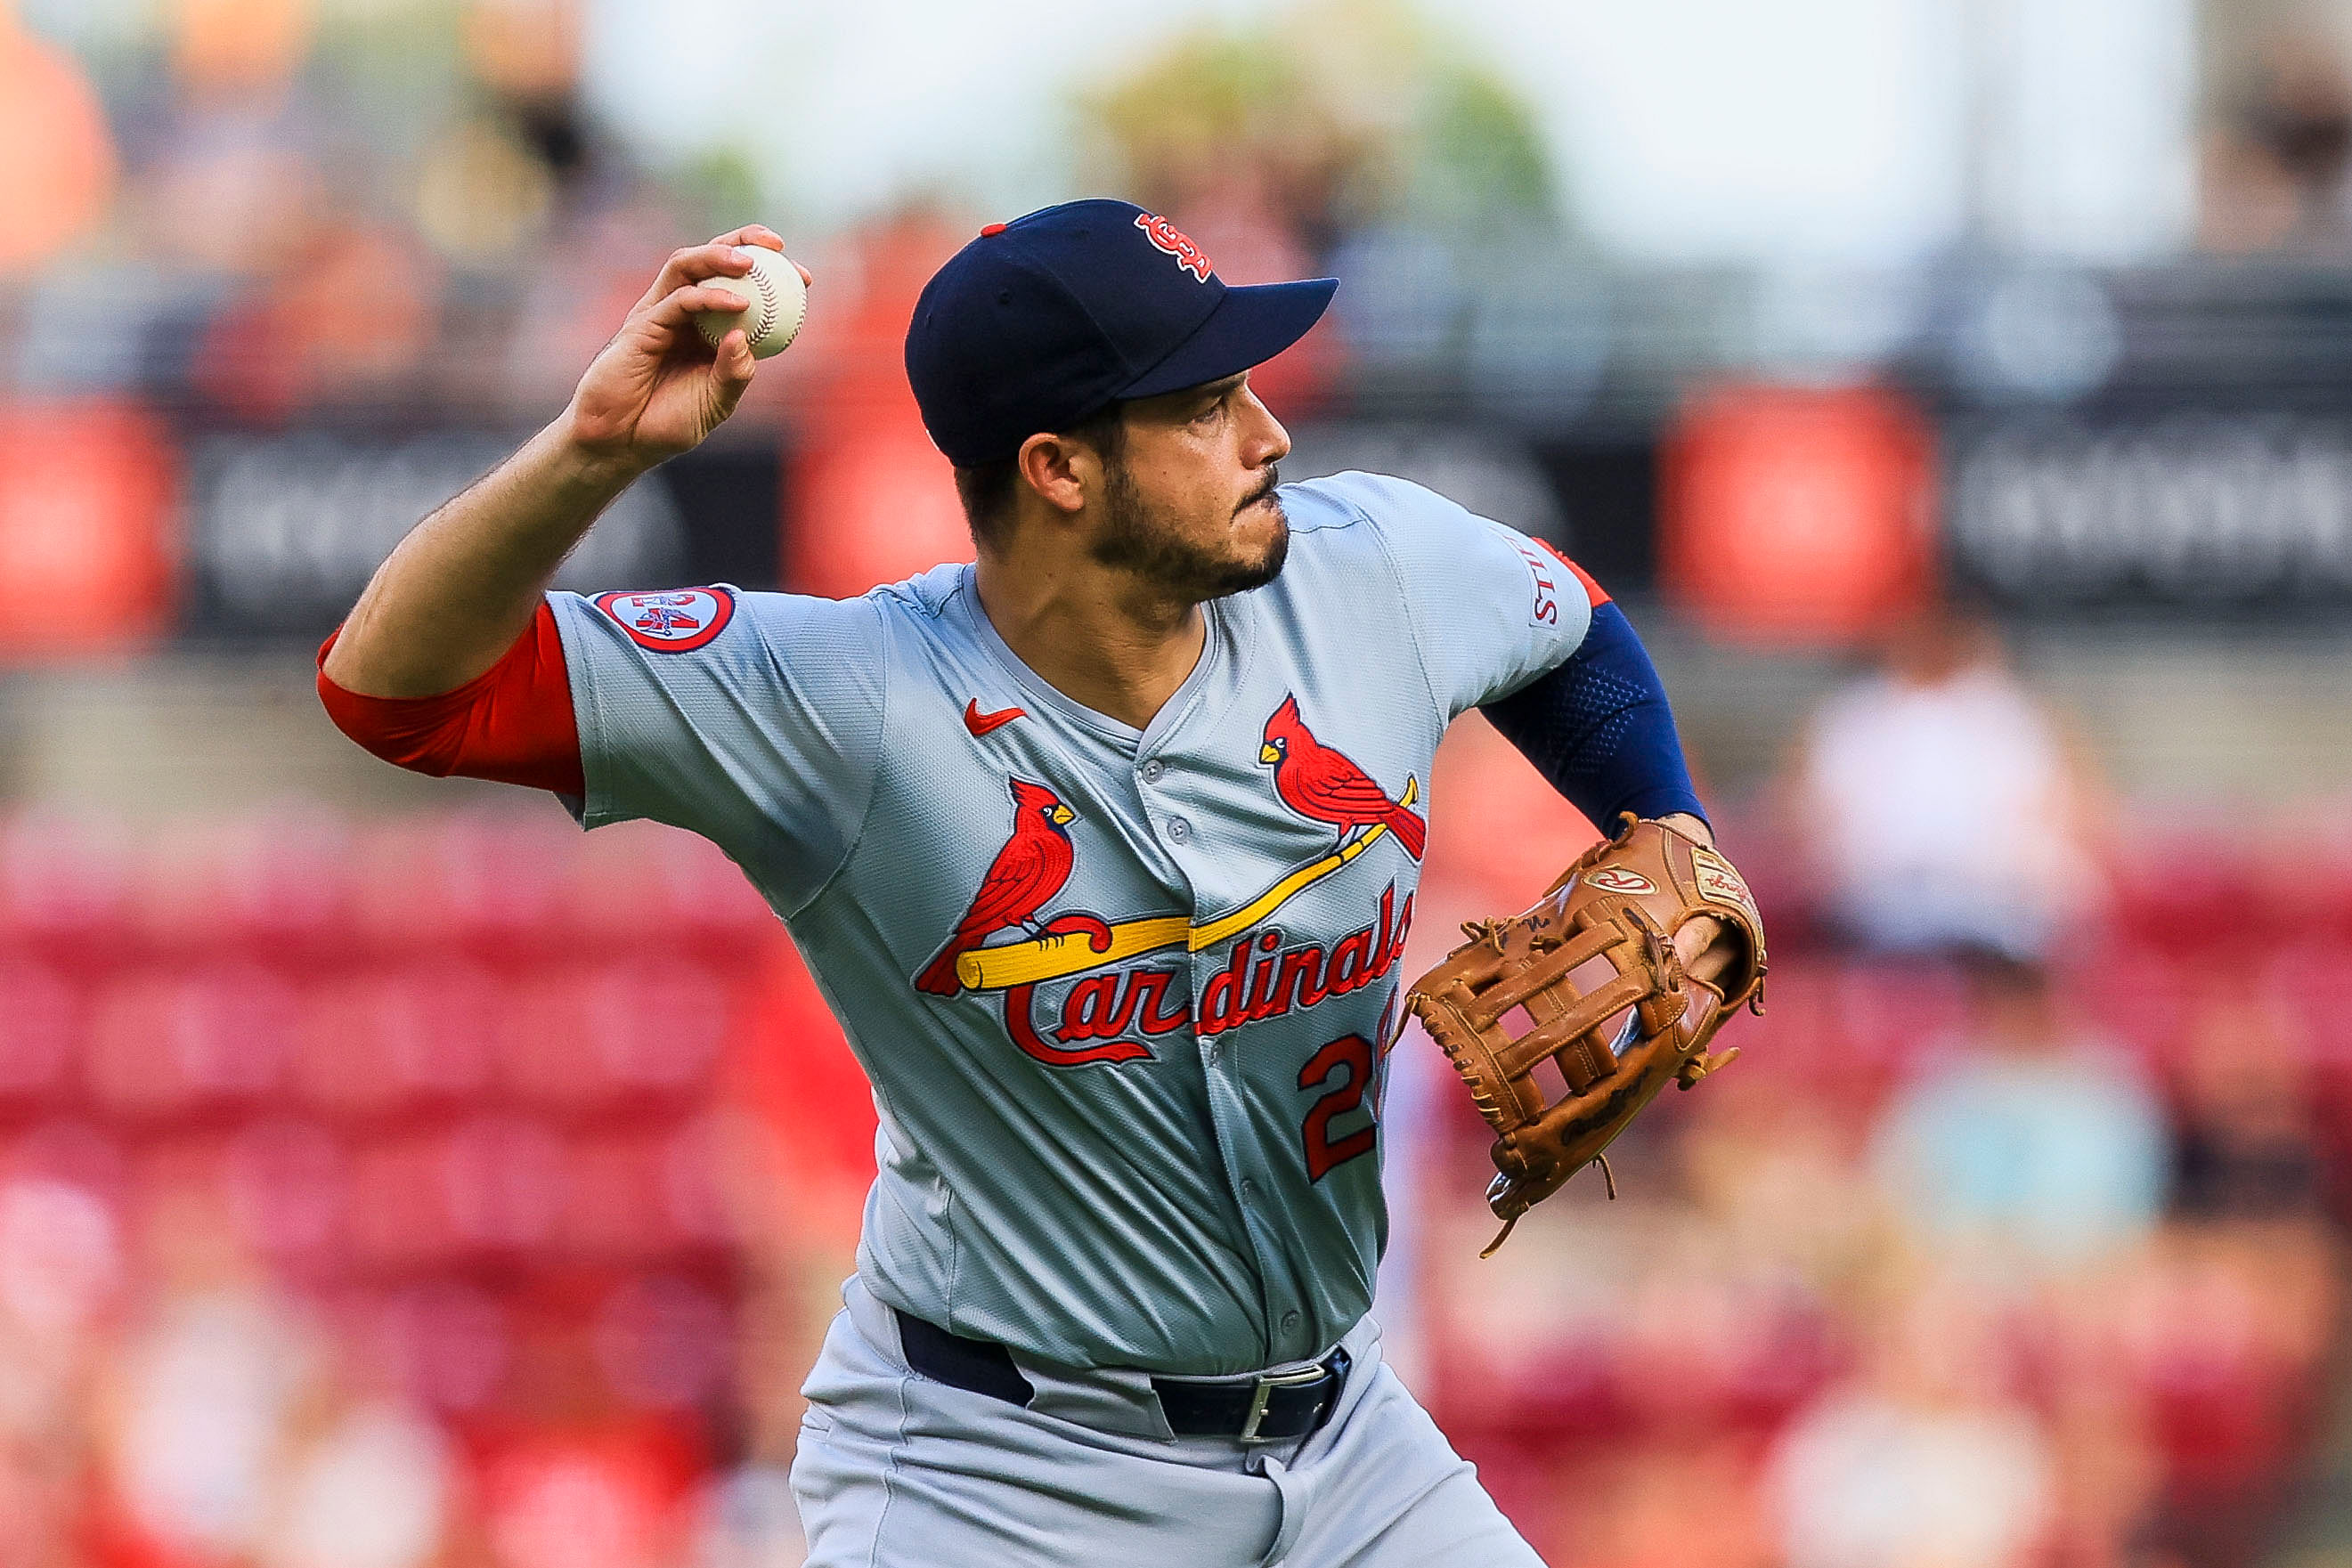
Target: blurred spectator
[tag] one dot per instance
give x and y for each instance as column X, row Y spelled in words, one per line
column 56, row 157
column 526, row 50
column 2273, row 174
column 367, row 1485
column 748, row 1520
column 580, row 288
column 1941, row 803
column 235, row 48
column 482, row 191
column 1924, row 1460
column 2221, row 1332
column 2029, row 1136
column 493, row 179
column 575, row 1477
column 347, row 317
column 226, row 158
column 209, row 1382
column 60, row 1269
column 2248, row 1149
column 1346, row 134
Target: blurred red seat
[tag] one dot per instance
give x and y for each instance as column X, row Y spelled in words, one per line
column 397, row 1041
column 2136, row 993
column 614, row 1201
column 282, row 885
column 65, row 887
column 693, row 1185
column 489, row 1186
column 1801, row 1030
column 503, row 1180
column 445, row 1342
column 584, row 1493
column 506, row 878
column 1892, row 1012
column 286, row 1188
column 179, row 1042
column 2168, row 880
column 41, row 1029
column 662, row 1342
column 77, row 1153
column 583, row 1036
column 495, row 882
column 399, row 1216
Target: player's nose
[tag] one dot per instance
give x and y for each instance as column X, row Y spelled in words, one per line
column 1265, row 440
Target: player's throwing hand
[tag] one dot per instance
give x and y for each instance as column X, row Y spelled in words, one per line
column 656, row 389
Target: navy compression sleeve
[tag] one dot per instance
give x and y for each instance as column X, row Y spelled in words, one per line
column 1599, row 727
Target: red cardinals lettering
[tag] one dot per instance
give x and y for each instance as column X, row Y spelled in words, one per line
column 1028, row 870
column 1320, row 783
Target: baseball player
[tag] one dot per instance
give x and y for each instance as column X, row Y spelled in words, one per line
column 1102, row 849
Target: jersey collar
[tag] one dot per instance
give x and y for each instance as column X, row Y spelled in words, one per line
column 1214, row 655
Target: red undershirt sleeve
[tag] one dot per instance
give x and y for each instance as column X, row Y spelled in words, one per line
column 513, row 723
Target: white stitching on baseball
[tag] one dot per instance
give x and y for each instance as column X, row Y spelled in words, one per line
column 770, row 308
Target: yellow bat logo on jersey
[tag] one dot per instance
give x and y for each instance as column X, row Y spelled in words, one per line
column 1059, row 955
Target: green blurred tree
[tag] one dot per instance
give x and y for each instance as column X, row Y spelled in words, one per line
column 1339, row 112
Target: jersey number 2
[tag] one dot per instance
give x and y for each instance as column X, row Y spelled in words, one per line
column 1352, row 1053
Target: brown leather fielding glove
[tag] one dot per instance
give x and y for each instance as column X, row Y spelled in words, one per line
column 1616, row 909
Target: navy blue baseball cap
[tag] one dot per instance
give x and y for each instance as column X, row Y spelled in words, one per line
column 1041, row 322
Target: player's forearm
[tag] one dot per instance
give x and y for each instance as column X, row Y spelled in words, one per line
column 463, row 586
column 1599, row 727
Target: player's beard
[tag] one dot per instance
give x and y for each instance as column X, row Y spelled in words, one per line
column 1142, row 541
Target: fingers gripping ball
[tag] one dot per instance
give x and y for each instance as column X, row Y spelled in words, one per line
column 1613, row 916
column 774, row 303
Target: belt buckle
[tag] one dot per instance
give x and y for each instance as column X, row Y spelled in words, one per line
column 1263, row 1395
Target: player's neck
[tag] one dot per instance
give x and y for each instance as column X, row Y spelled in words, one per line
column 1092, row 632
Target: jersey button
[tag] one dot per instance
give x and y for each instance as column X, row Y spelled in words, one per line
column 1249, row 1190
column 1154, row 771
column 1290, row 1320
column 1180, row 831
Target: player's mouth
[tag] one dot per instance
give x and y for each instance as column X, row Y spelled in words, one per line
column 1263, row 491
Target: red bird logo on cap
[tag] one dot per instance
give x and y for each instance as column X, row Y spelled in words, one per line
column 1027, row 872
column 1167, row 236
column 1324, row 785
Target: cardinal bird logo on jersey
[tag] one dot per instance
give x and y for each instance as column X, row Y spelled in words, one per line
column 1323, row 786
column 1026, row 875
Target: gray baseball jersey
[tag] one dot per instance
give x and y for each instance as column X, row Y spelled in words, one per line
column 1122, row 994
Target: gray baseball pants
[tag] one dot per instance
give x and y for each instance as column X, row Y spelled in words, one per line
column 895, row 1470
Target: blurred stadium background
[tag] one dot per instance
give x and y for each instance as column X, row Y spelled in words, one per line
column 1959, row 391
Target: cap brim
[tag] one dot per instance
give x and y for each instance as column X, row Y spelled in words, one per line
column 1250, row 324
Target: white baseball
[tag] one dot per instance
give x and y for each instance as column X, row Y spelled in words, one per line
column 775, row 302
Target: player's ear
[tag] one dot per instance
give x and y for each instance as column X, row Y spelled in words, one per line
column 1060, row 470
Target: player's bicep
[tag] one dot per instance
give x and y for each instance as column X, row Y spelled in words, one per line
column 512, row 724
column 753, row 719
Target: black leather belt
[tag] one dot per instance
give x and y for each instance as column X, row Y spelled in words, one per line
column 1265, row 1409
